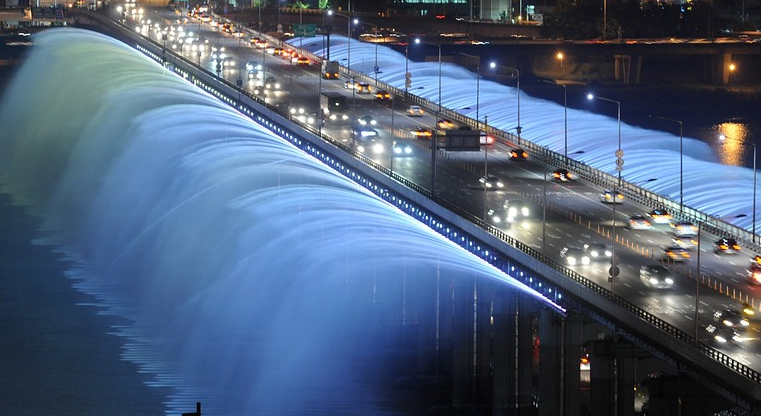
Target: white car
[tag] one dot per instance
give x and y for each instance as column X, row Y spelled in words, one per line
column 402, row 149
column 639, row 222
column 684, row 229
column 598, row 251
column 516, row 209
column 415, row 111
column 608, row 198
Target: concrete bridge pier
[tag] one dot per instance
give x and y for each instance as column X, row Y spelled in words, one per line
column 612, row 373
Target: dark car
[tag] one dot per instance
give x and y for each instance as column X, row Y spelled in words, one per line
column 722, row 334
column 382, row 95
column 562, row 175
column 656, row 276
column 675, row 254
column 518, row 154
column 726, row 246
column 731, row 318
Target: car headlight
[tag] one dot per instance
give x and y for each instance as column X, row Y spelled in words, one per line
column 378, row 148
column 653, row 281
column 669, row 281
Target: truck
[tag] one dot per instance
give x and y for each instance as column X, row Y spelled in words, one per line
column 334, row 107
column 330, row 69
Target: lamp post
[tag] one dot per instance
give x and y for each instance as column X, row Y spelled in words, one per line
column 348, row 35
column 697, row 275
column 518, row 78
column 732, row 68
column 486, row 169
column 619, row 167
column 435, row 142
column 681, row 158
column 744, row 143
column 560, row 57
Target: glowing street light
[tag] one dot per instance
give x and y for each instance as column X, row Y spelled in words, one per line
column 518, row 85
column 560, row 57
column 732, row 68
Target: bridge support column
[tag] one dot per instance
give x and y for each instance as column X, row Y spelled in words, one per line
column 628, row 69
column 504, row 354
column 464, row 342
column 550, row 363
column 723, row 70
column 527, row 310
column 573, row 329
column 612, row 374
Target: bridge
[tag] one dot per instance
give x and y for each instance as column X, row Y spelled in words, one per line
column 617, row 331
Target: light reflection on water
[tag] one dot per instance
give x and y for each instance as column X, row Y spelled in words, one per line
column 733, row 143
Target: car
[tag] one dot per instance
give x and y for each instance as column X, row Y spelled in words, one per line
column 302, row 61
column 491, row 182
column 278, row 51
column 228, row 62
column 726, row 246
column 722, row 334
column 253, row 66
column 687, row 243
column 575, row 256
column 363, row 132
column 516, row 209
column 349, row 84
column 415, row 111
column 421, row 133
column 562, row 175
column 445, row 124
column 314, row 118
column 401, row 148
column 271, row 83
column 382, row 95
column 497, row 216
column 656, row 276
column 598, row 251
column 660, row 216
column 639, row 222
column 753, row 274
column 732, row 318
column 675, row 254
column 684, row 229
column 370, row 146
column 607, row 197
column 367, row 120
column 363, row 88
column 485, row 138
column 518, row 154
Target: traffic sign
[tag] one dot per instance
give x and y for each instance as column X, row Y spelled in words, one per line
column 305, row 30
column 619, row 153
column 407, row 80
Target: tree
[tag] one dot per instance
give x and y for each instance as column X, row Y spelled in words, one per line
column 323, row 4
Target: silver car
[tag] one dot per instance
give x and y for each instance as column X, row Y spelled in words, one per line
column 575, row 256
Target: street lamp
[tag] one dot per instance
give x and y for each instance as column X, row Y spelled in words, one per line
column 744, row 143
column 697, row 274
column 619, row 168
column 681, row 159
column 732, row 68
column 435, row 142
column 518, row 77
column 560, row 56
column 348, row 35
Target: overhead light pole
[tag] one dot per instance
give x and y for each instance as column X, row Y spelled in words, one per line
column 518, row 78
column 435, row 142
column 348, row 36
column 681, row 159
column 616, row 189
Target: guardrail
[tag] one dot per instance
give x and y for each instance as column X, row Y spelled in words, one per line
column 666, row 338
